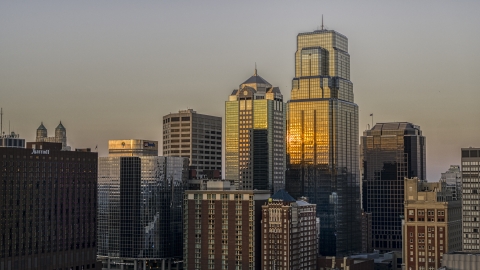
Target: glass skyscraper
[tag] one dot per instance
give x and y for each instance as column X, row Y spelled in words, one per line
column 322, row 139
column 140, row 204
column 391, row 152
column 255, row 128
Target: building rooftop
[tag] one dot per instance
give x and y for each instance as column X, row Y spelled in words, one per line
column 282, row 195
column 256, row 79
column 41, row 127
column 60, row 126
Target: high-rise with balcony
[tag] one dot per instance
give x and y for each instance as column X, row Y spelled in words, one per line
column 322, row 139
column 197, row 137
column 391, row 152
column 471, row 198
column 254, row 140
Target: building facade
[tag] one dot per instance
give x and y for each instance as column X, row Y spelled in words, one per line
column 60, row 136
column 132, row 148
column 322, row 139
column 48, row 206
column 254, row 140
column 471, row 198
column 140, row 204
column 433, row 224
column 460, row 260
column 12, row 140
column 453, row 180
column 289, row 234
column 366, row 232
column 391, row 152
column 222, row 227
column 197, row 137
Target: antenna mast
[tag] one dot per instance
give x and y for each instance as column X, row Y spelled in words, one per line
column 322, row 22
column 1, row 121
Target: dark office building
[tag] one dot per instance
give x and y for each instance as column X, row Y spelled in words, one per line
column 140, row 213
column 48, row 206
column 391, row 152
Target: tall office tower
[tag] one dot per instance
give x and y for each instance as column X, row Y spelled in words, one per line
column 48, row 208
column 140, row 204
column 453, row 179
column 289, row 233
column 198, row 137
column 433, row 224
column 60, row 136
column 222, row 227
column 254, row 126
column 471, row 198
column 322, row 139
column 391, row 152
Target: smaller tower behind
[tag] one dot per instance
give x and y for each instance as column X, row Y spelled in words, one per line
column 41, row 133
column 60, row 136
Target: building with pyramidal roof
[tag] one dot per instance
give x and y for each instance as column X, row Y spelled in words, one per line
column 60, row 136
column 254, row 140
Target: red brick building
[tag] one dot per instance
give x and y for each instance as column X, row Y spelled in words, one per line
column 289, row 238
column 222, row 227
column 433, row 221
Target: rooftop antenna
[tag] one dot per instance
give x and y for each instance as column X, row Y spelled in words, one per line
column 1, row 121
column 255, row 74
column 322, row 22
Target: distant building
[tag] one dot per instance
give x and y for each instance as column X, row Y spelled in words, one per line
column 471, row 198
column 140, row 207
column 255, row 136
column 391, row 152
column 48, row 208
column 461, row 260
column 433, row 224
column 222, row 227
column 197, row 137
column 132, row 148
column 453, row 179
column 12, row 140
column 60, row 136
column 289, row 234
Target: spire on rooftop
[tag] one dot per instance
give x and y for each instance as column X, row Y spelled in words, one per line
column 41, row 127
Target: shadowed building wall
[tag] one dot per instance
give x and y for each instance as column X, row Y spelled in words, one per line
column 391, row 152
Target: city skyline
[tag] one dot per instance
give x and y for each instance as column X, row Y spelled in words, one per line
column 58, row 59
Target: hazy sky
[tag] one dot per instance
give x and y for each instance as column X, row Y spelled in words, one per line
column 112, row 69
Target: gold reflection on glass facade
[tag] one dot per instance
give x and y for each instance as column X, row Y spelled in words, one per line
column 322, row 139
column 255, row 128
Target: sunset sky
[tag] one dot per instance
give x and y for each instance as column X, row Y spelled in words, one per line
column 112, row 69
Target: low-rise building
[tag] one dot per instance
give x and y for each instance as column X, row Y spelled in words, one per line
column 433, row 224
column 289, row 235
column 461, row 260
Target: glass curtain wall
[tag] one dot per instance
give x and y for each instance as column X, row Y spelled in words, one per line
column 322, row 139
